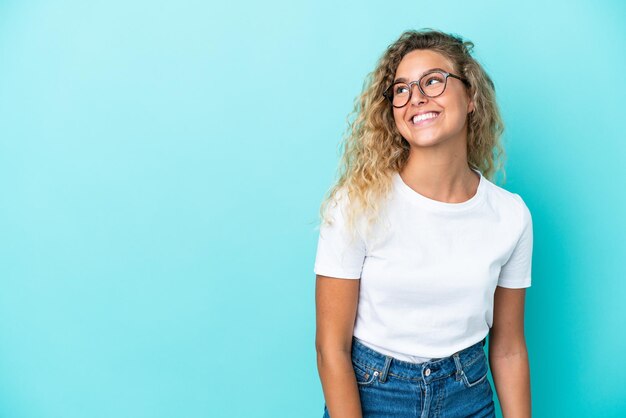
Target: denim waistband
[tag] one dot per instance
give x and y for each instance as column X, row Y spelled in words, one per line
column 428, row 371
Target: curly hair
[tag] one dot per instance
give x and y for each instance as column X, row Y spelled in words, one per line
column 373, row 148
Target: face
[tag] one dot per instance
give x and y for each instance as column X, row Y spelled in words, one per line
column 451, row 107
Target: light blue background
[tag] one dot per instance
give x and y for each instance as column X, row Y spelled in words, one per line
column 161, row 170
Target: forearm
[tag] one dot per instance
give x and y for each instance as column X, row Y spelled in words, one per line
column 339, row 384
column 511, row 375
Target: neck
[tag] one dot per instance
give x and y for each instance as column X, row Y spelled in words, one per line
column 446, row 178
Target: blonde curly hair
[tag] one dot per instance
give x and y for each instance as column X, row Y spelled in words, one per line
column 374, row 149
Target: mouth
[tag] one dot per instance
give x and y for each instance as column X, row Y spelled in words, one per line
column 424, row 119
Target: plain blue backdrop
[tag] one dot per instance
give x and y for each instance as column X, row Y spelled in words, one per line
column 162, row 166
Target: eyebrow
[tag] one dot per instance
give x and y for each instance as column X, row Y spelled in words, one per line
column 404, row 80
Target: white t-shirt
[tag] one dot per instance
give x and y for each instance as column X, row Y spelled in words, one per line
column 429, row 269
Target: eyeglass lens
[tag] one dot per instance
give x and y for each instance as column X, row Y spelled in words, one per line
column 432, row 85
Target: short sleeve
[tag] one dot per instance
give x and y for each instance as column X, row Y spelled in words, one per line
column 516, row 272
column 340, row 253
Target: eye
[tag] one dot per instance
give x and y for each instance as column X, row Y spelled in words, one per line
column 401, row 88
column 433, row 79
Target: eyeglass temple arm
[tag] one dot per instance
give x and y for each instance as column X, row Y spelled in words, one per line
column 464, row 80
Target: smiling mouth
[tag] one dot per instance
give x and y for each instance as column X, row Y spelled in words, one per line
column 424, row 119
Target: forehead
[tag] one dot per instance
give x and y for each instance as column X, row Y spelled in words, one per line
column 416, row 62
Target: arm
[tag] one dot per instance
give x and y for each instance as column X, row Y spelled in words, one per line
column 336, row 303
column 508, row 356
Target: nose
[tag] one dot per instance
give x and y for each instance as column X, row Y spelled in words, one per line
column 416, row 95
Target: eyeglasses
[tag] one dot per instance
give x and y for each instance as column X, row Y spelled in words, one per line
column 431, row 84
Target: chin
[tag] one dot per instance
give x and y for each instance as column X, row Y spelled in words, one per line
column 424, row 141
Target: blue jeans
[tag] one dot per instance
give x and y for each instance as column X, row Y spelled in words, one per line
column 449, row 387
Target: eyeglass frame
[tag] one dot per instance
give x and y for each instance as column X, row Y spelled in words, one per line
column 446, row 74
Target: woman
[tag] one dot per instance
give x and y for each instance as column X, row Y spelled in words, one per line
column 420, row 255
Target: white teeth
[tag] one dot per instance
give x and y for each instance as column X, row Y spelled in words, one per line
column 418, row 118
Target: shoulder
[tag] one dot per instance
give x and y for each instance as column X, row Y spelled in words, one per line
column 507, row 202
column 336, row 205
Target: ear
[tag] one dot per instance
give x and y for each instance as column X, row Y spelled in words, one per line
column 470, row 107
